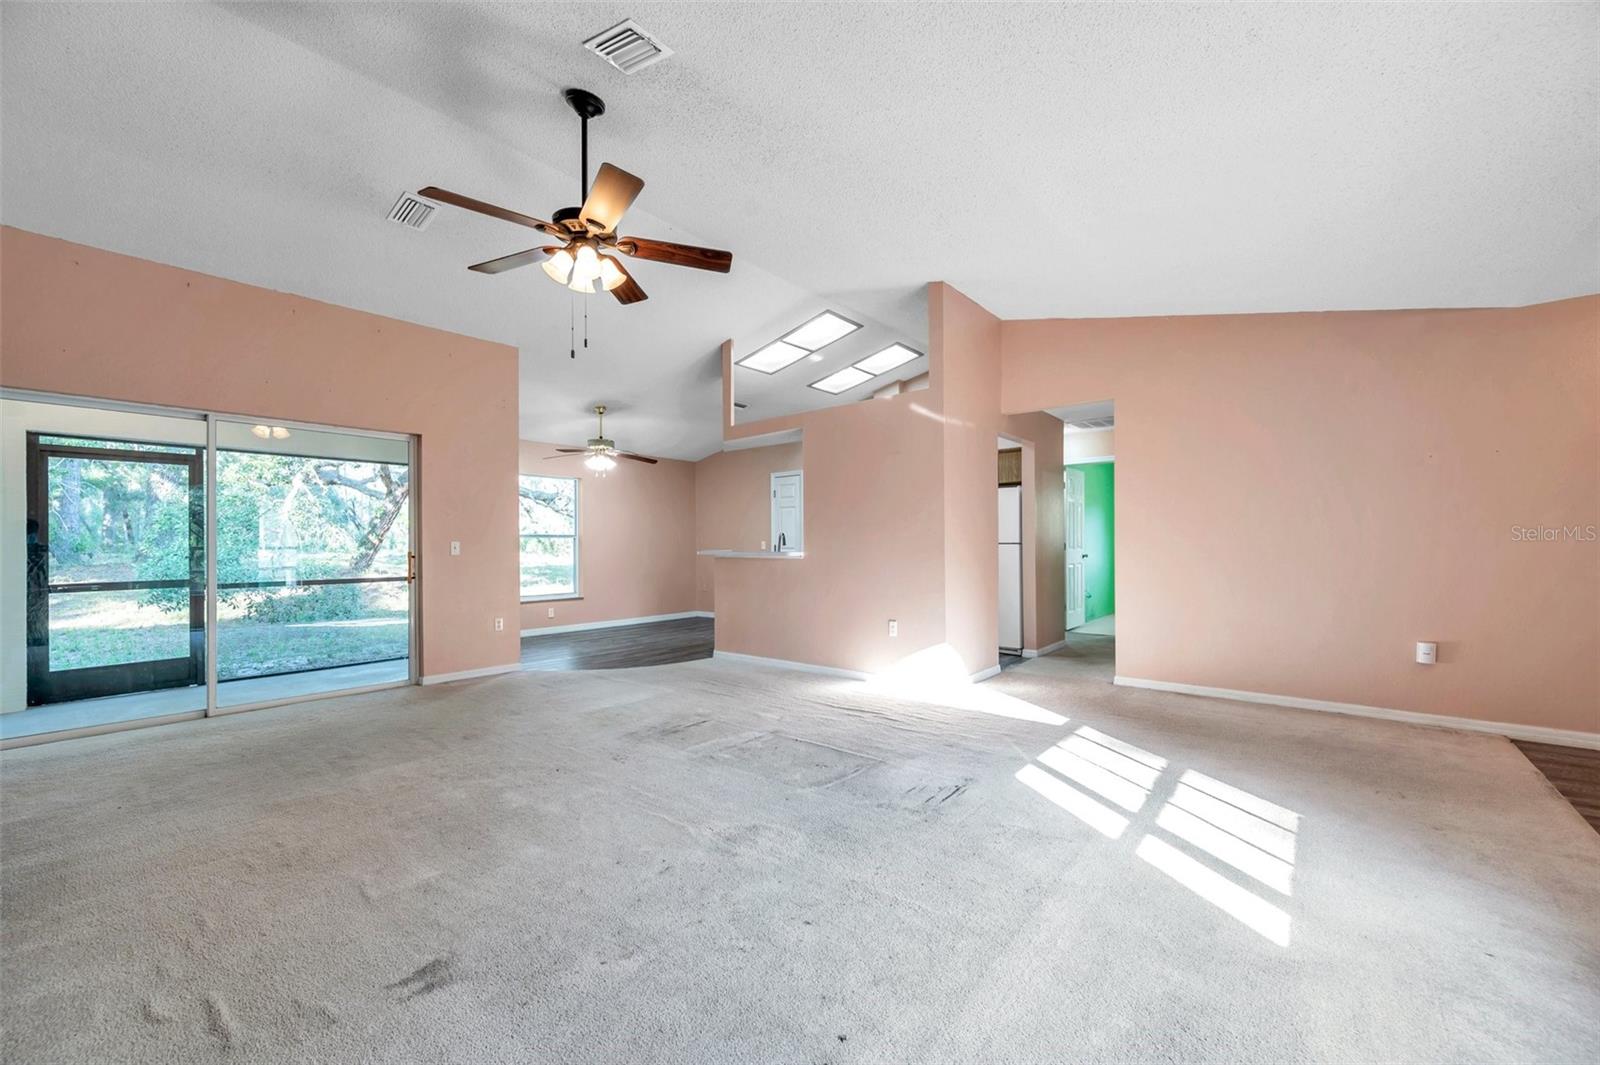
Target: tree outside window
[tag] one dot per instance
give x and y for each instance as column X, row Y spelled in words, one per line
column 548, row 514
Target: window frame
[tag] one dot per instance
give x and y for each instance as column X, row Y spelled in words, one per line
column 575, row 536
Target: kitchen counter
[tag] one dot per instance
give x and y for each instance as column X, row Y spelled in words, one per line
column 723, row 553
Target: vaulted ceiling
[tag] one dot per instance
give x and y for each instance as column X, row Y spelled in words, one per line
column 1050, row 161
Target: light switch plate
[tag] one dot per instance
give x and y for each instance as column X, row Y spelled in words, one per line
column 455, row 547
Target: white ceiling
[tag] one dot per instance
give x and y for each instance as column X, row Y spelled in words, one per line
column 1080, row 160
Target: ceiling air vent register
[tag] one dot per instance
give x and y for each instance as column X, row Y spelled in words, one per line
column 627, row 46
column 1083, row 425
column 411, row 211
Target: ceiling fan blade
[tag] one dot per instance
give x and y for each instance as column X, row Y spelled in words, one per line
column 629, row 291
column 663, row 251
column 636, row 458
column 455, row 199
column 613, row 191
column 511, row 262
column 572, row 450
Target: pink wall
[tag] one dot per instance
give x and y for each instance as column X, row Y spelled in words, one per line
column 636, row 540
column 901, row 519
column 964, row 342
column 874, row 547
column 731, row 505
column 81, row 321
column 964, row 357
column 1302, row 497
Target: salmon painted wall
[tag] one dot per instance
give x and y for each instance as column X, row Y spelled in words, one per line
column 1302, row 497
column 85, row 322
column 964, row 355
column 874, row 547
column 901, row 521
column 635, row 535
column 732, row 507
column 874, row 528
column 965, row 347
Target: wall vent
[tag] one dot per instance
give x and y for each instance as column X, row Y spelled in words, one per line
column 627, row 46
column 411, row 211
column 1084, row 425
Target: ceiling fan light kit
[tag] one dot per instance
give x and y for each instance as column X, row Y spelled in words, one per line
column 600, row 453
column 580, row 261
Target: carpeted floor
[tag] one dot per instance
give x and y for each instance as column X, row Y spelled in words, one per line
column 714, row 862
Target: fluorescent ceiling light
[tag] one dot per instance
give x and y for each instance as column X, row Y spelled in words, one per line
column 774, row 357
column 887, row 359
column 841, row 380
column 821, row 331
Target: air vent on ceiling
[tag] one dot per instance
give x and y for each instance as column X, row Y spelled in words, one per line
column 413, row 212
column 627, row 46
column 1092, row 423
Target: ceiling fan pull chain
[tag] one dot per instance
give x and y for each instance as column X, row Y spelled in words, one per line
column 571, row 328
column 585, row 325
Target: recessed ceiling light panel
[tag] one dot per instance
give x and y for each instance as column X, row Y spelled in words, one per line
column 774, row 357
column 821, row 331
column 887, row 359
column 841, row 380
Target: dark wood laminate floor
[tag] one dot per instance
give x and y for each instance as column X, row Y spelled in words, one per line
column 653, row 643
column 1574, row 771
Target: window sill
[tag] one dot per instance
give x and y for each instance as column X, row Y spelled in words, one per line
column 562, row 598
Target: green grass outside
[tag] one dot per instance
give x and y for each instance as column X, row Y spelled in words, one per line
column 98, row 629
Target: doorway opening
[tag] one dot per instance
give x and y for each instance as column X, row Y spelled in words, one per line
column 1089, row 493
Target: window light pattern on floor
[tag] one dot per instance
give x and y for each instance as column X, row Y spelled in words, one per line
column 1231, row 848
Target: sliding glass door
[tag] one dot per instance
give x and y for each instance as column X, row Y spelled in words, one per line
column 102, row 567
column 313, row 561
column 108, row 591
column 115, row 568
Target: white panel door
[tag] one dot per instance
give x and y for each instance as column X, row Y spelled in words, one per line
column 1010, row 597
column 1074, row 547
column 788, row 514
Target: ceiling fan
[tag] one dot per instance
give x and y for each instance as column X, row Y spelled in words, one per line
column 602, row 453
column 586, row 235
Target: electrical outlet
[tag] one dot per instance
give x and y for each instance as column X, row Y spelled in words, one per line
column 894, row 627
column 455, row 547
column 499, row 624
column 551, row 612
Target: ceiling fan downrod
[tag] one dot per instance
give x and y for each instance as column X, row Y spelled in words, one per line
column 588, row 106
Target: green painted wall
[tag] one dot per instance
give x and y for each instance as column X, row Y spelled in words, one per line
column 1099, row 540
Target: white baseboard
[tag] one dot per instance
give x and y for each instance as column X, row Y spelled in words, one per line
column 469, row 674
column 616, row 623
column 784, row 663
column 1533, row 733
column 1051, row 648
column 985, row 674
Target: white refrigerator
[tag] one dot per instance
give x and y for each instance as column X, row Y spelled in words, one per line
column 1011, row 569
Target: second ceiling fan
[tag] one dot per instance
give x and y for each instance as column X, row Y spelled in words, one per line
column 587, row 235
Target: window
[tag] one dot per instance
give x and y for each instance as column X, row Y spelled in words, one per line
column 548, row 513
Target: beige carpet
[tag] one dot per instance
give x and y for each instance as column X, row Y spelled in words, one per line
column 710, row 862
